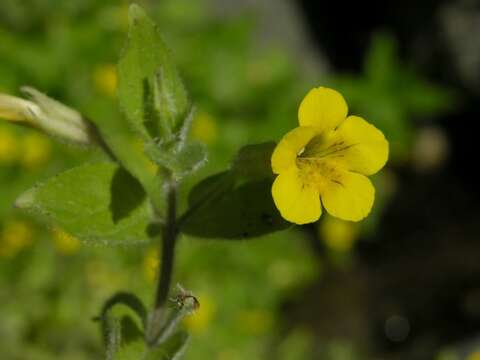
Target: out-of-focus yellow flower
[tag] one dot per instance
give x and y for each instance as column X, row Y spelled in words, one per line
column 281, row 273
column 65, row 243
column 123, row 16
column 229, row 354
column 105, row 79
column 36, row 150
column 327, row 156
column 101, row 278
column 15, row 236
column 198, row 321
column 255, row 322
column 151, row 264
column 139, row 147
column 204, row 128
column 338, row 234
column 8, row 146
column 474, row 355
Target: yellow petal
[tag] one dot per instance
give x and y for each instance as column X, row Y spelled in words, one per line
column 366, row 147
column 292, row 143
column 323, row 108
column 349, row 196
column 297, row 203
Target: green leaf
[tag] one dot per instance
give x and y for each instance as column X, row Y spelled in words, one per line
column 181, row 159
column 132, row 351
column 237, row 203
column 172, row 349
column 122, row 321
column 151, row 92
column 253, row 161
column 128, row 149
column 98, row 202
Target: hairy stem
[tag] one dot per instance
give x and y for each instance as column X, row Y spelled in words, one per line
column 169, row 236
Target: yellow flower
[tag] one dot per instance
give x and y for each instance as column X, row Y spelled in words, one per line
column 255, row 322
column 15, row 236
column 338, row 234
column 36, row 150
column 197, row 322
column 8, row 146
column 327, row 158
column 151, row 264
column 474, row 356
column 204, row 128
column 65, row 243
column 105, row 79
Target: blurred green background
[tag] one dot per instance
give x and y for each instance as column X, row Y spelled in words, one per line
column 403, row 284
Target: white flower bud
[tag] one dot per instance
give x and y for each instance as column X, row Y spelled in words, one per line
column 47, row 115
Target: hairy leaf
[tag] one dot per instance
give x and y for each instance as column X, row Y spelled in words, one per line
column 122, row 321
column 151, row 92
column 236, row 204
column 94, row 203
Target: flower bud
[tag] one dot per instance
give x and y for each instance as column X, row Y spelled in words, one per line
column 47, row 115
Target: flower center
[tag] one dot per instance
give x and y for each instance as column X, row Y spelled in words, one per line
column 319, row 163
column 323, row 146
column 318, row 172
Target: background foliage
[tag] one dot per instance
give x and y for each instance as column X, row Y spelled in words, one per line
column 265, row 298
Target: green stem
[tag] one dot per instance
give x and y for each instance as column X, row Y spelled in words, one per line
column 169, row 236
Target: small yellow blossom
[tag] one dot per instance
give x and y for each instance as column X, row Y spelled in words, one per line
column 255, row 322
column 105, row 79
column 15, row 236
column 327, row 158
column 65, row 243
column 138, row 146
column 338, row 234
column 204, row 128
column 151, row 264
column 36, row 150
column 474, row 355
column 281, row 273
column 197, row 322
column 8, row 146
column 102, row 278
column 229, row 354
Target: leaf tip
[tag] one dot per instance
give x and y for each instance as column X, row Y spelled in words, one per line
column 135, row 13
column 25, row 200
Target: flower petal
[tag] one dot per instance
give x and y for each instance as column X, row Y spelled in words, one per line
column 286, row 151
column 323, row 108
column 366, row 147
column 349, row 196
column 297, row 203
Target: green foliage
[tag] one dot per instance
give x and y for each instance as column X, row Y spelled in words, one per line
column 250, row 93
column 127, row 149
column 95, row 202
column 123, row 321
column 236, row 204
column 150, row 90
column 180, row 160
column 118, row 325
column 172, row 350
column 391, row 95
